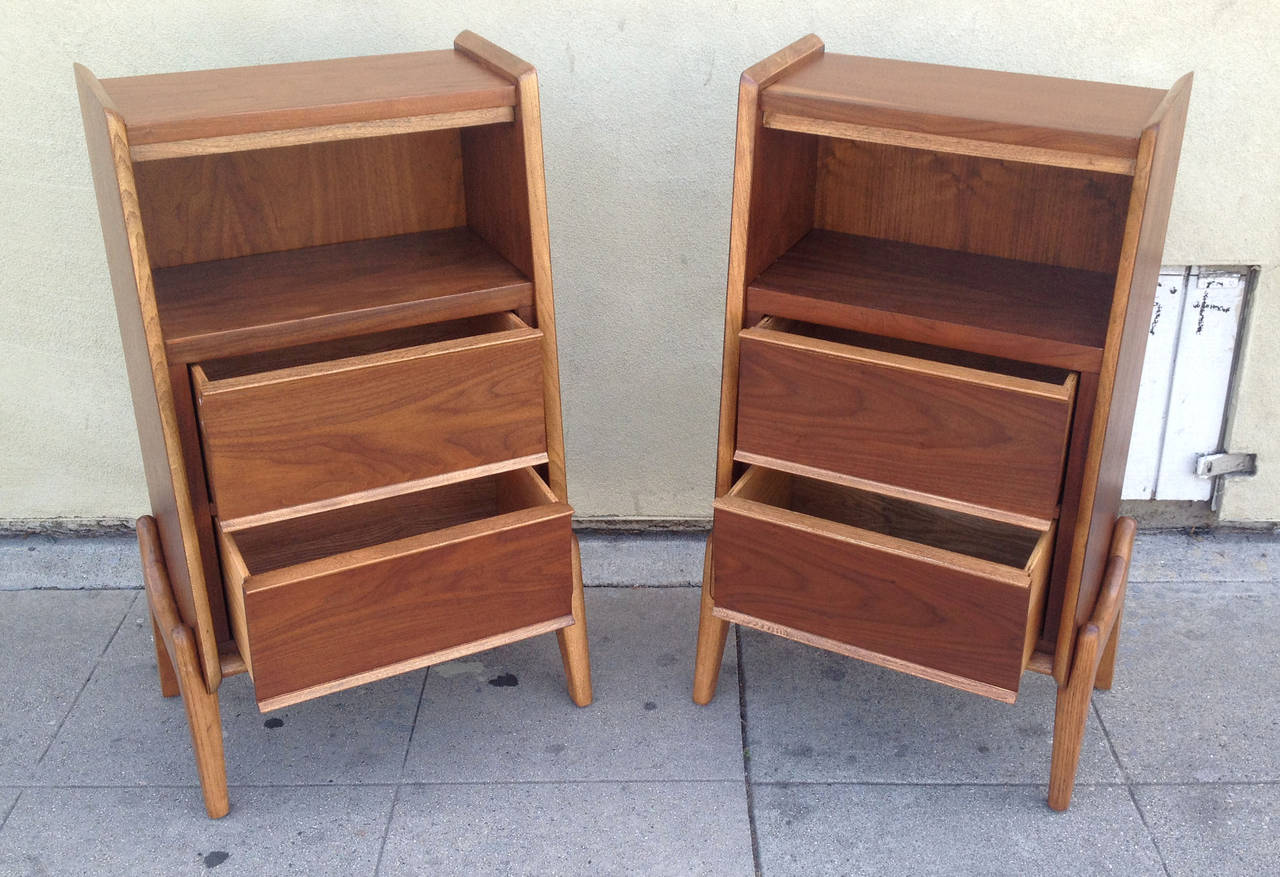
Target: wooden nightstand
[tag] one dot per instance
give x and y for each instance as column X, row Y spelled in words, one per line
column 334, row 290
column 940, row 283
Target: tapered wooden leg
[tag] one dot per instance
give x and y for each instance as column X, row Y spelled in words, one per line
column 164, row 664
column 573, row 640
column 1102, row 629
column 712, row 632
column 1069, row 719
column 1107, row 666
column 177, row 644
column 205, row 721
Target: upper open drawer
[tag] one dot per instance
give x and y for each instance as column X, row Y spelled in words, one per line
column 937, row 424
column 312, row 424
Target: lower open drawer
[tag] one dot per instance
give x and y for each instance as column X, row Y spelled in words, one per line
column 937, row 593
column 330, row 600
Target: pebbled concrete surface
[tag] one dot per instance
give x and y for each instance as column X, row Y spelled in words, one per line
column 484, row 766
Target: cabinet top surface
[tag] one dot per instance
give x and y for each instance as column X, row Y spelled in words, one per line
column 966, row 102
column 240, row 100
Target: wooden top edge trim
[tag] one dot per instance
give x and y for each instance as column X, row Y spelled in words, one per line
column 416, row 544
column 1178, row 92
column 492, row 56
column 900, row 362
column 207, row 387
column 93, row 84
column 964, row 683
column 989, row 513
column 253, row 110
column 282, row 137
column 259, row 519
column 904, row 548
column 767, row 71
column 949, row 143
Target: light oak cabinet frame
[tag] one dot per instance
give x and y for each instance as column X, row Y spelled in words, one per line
column 352, row 253
column 935, row 212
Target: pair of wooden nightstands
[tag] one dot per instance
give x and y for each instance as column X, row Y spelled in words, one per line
column 334, row 289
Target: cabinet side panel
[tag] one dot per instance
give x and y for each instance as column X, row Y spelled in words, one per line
column 1132, row 307
column 1036, row 213
column 239, row 203
column 149, row 383
column 782, row 189
column 497, row 195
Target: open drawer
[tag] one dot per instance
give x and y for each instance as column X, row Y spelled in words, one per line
column 335, row 599
column 937, row 593
column 308, row 425
column 935, row 423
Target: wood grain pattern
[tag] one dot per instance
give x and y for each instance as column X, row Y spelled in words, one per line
column 1018, row 109
column 328, row 429
column 799, row 53
column 148, row 370
column 979, row 437
column 949, row 143
column 1136, row 281
column 198, row 696
column 876, row 589
column 240, row 203
column 522, row 157
column 336, row 618
column 321, row 134
column 1029, row 212
column 271, row 97
column 322, row 293
column 999, row 307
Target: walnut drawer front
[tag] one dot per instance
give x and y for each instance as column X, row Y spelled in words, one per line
column 946, row 429
column 941, row 594
column 331, row 600
column 307, row 425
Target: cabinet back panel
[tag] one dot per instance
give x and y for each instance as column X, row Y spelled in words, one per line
column 1037, row 213
column 241, row 203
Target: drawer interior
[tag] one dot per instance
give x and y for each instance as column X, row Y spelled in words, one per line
column 359, row 345
column 986, row 539
column 297, row 540
column 949, row 356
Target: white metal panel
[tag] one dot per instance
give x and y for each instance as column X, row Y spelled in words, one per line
column 1201, row 379
column 1153, row 393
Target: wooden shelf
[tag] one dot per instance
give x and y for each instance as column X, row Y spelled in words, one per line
column 216, row 104
column 983, row 304
column 233, row 306
column 1034, row 118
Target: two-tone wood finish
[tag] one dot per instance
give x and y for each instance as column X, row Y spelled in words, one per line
column 334, row 288
column 939, row 285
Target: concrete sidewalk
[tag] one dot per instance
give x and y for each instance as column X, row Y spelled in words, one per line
column 805, row 763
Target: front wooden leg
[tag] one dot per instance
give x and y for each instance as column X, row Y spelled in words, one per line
column 712, row 633
column 1072, row 710
column 176, row 644
column 573, row 640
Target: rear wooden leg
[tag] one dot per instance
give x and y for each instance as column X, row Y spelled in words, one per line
column 573, row 640
column 164, row 664
column 1107, row 666
column 712, row 633
column 176, row 645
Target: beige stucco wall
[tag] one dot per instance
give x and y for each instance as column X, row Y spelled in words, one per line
column 638, row 104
